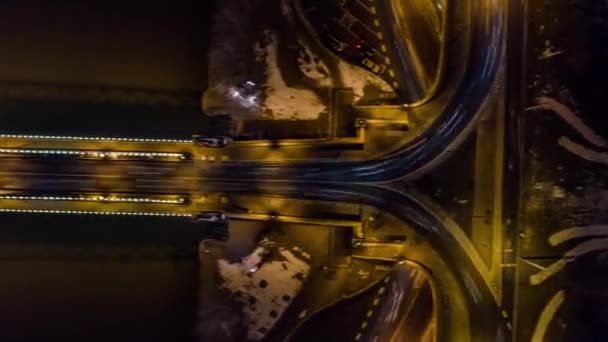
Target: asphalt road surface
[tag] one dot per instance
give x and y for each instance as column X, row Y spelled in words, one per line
column 398, row 308
column 460, row 104
column 467, row 91
column 481, row 308
column 485, row 322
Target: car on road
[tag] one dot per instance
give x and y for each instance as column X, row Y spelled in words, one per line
column 205, row 141
column 218, row 228
column 373, row 66
column 210, row 216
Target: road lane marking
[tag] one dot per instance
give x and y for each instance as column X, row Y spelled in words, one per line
column 62, row 137
column 356, row 36
column 91, row 212
column 372, row 31
column 371, row 9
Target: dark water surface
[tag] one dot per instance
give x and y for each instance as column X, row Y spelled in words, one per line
column 103, row 67
column 97, row 278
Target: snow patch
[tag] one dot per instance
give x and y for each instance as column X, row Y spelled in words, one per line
column 583, row 152
column 266, row 289
column 589, row 246
column 313, row 67
column 571, row 119
column 351, row 76
column 282, row 101
column 357, row 78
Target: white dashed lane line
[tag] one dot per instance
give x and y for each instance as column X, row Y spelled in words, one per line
column 370, row 313
column 378, row 33
column 370, row 8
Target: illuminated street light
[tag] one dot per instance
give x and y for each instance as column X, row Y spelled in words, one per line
column 57, row 137
column 100, row 154
column 86, row 212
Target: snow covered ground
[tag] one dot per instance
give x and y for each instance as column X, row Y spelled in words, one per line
column 266, row 288
column 242, row 50
column 282, row 101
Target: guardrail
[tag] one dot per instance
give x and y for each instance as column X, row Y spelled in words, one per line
column 94, row 153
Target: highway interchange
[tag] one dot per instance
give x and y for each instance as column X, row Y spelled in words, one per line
column 34, row 179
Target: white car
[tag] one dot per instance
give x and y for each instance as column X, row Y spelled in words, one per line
column 210, row 216
column 373, row 67
column 211, row 141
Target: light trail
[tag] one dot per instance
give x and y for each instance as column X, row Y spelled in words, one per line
column 94, row 153
column 94, row 198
